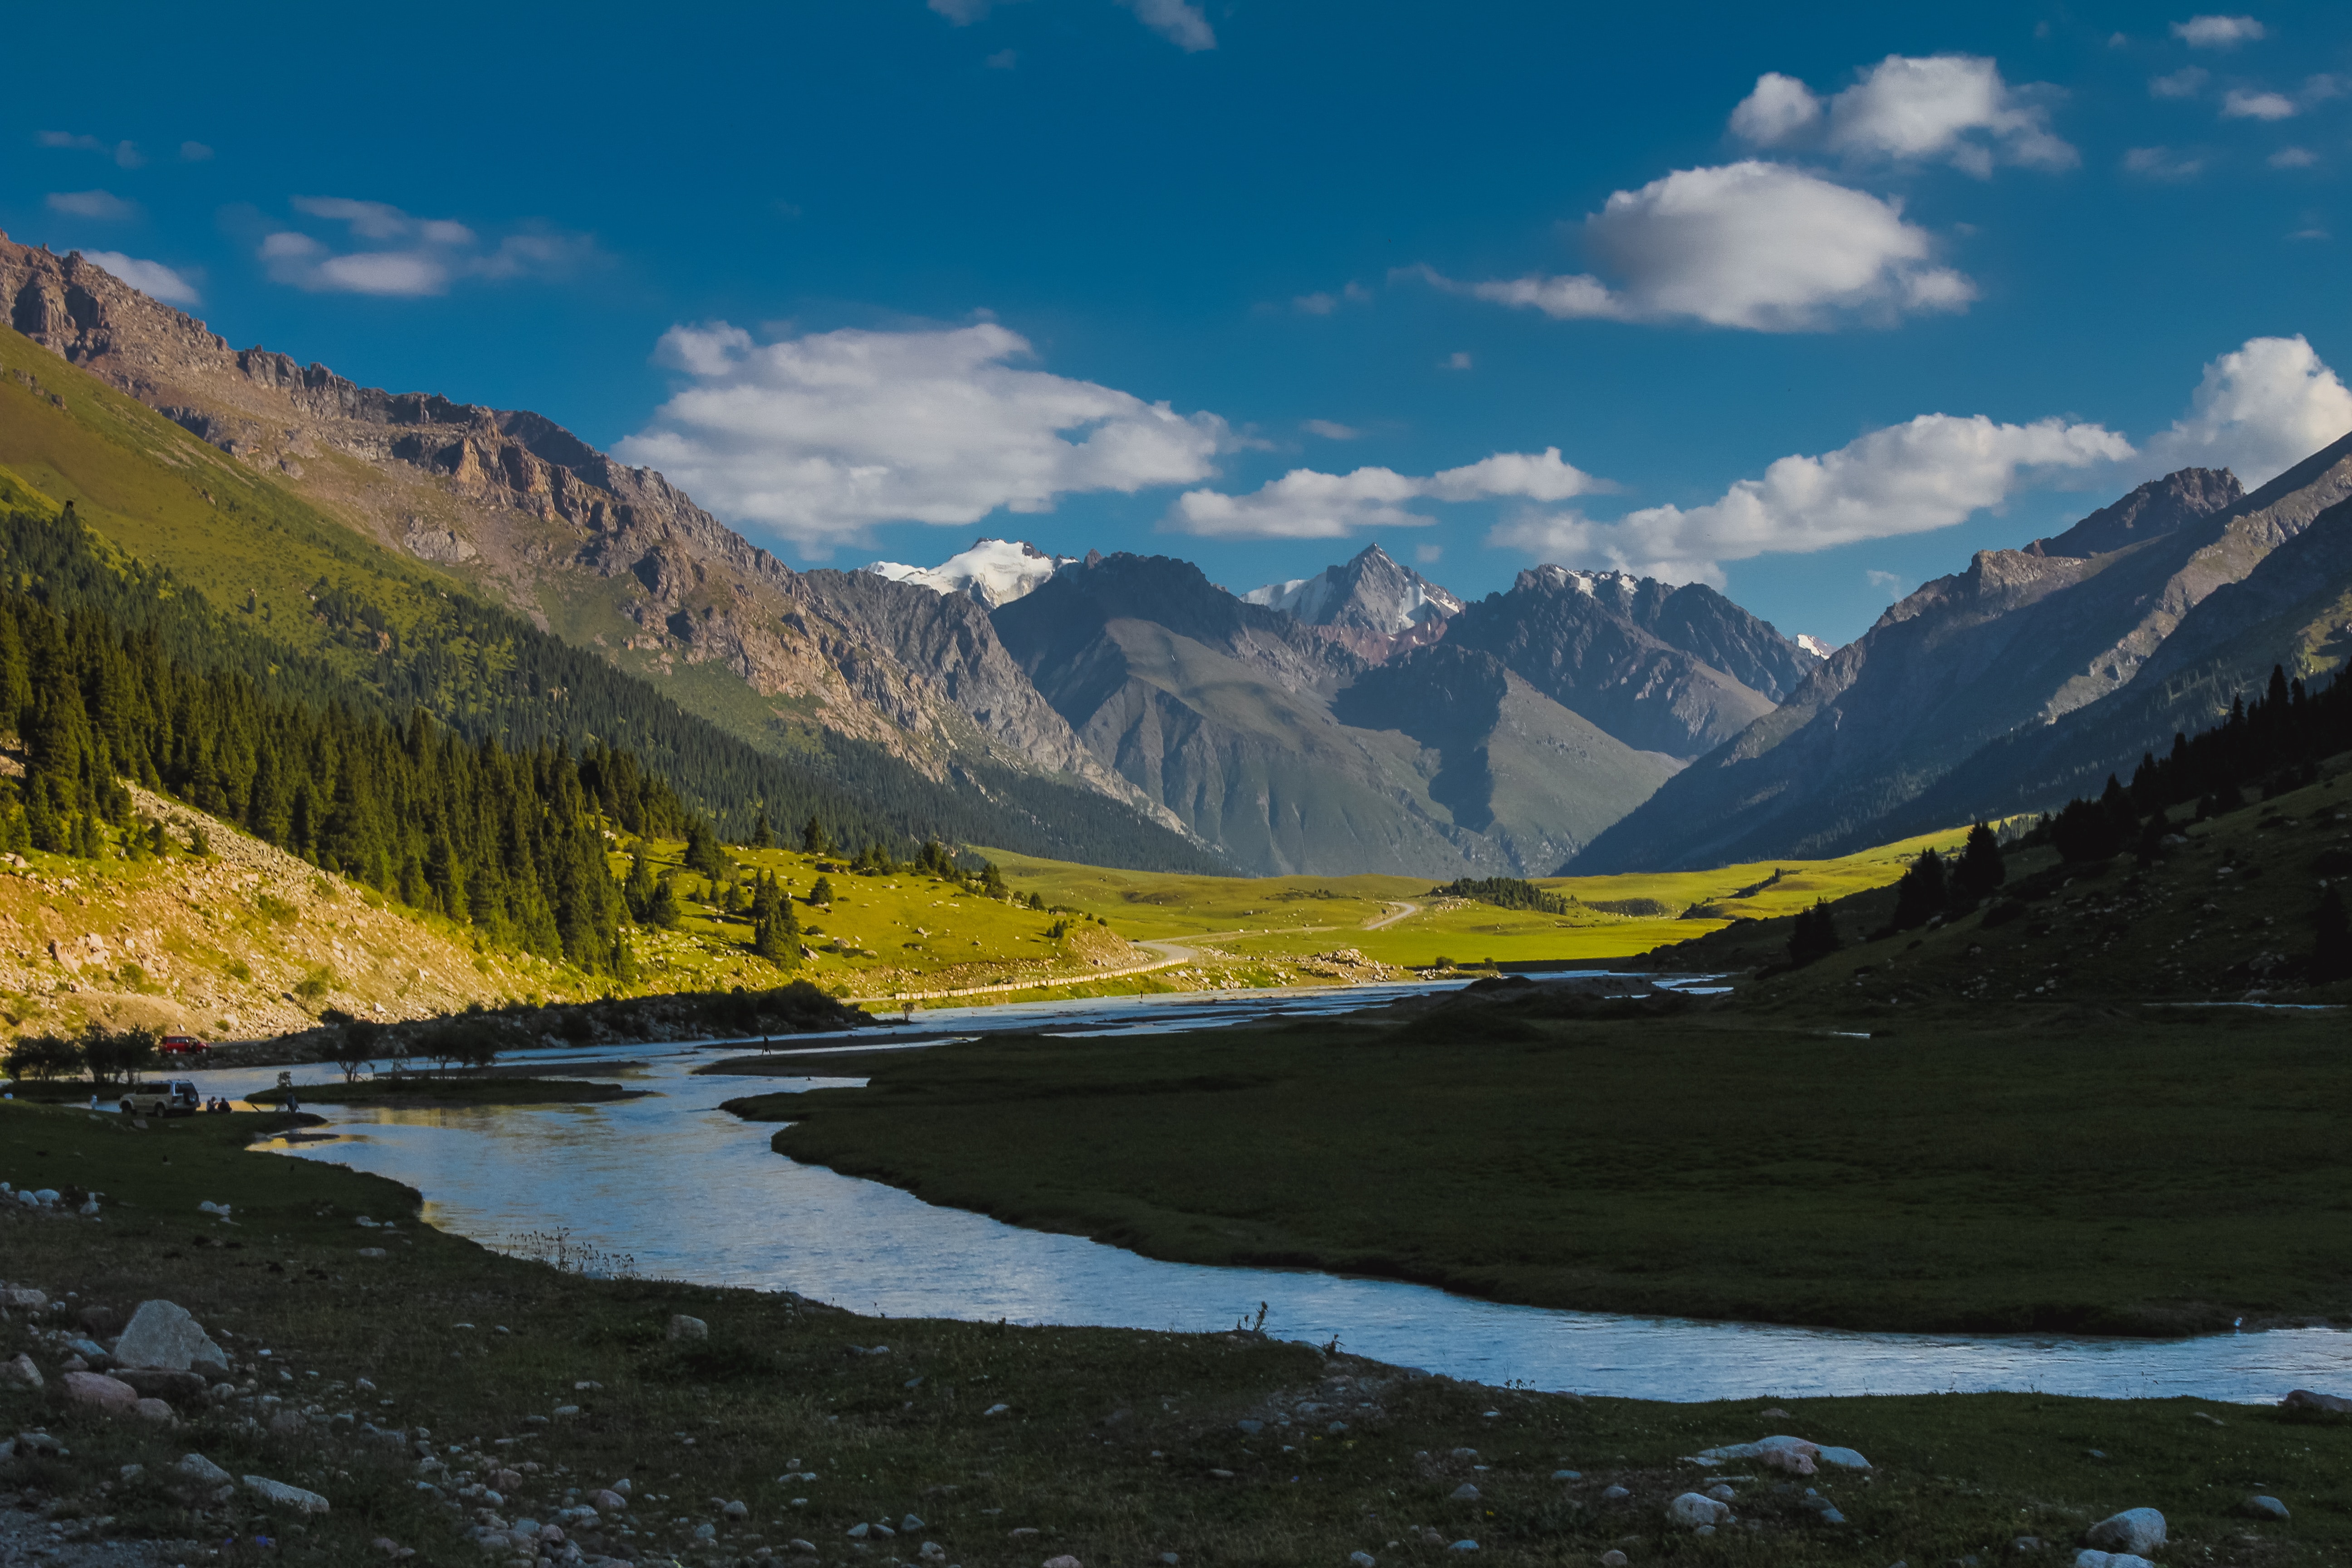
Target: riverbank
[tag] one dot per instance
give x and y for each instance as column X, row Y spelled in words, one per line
column 1110, row 1446
column 2063, row 1170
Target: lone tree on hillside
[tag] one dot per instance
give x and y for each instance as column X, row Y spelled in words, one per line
column 814, row 840
column 762, row 836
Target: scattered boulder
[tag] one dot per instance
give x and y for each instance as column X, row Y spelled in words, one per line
column 155, row 1383
column 95, row 1388
column 1692, row 1509
column 682, row 1327
column 738, row 1508
column 153, row 1410
column 1466, row 1492
column 162, row 1335
column 1064, row 1561
column 1614, row 1494
column 1362, row 1560
column 2089, row 1558
column 1613, row 1558
column 2300, row 1399
column 608, row 1501
column 1844, row 1459
column 280, row 1495
column 34, row 1300
column 19, row 1370
column 202, row 1471
column 2260, row 1507
column 2135, row 1531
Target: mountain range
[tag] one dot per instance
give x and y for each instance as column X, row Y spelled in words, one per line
column 1123, row 708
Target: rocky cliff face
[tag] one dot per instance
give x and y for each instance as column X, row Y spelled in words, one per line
column 599, row 552
column 1964, row 697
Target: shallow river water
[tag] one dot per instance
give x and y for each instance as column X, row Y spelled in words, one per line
column 690, row 1192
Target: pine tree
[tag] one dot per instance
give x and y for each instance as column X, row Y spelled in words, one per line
column 1922, row 894
column 1980, row 869
column 815, row 840
column 762, row 836
column 820, row 895
column 662, row 909
column 2331, row 948
column 1814, row 935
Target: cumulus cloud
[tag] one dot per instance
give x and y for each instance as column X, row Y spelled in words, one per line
column 1308, row 504
column 103, row 204
column 818, row 438
column 404, row 257
column 2293, row 158
column 2239, row 104
column 1178, row 21
column 150, row 277
column 1951, row 109
column 1908, row 478
column 126, row 154
column 1754, row 245
column 1330, row 429
column 2219, row 32
column 2260, row 409
column 2186, row 83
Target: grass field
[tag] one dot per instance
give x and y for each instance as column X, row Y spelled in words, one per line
column 1291, row 916
column 2116, row 1172
column 1113, row 1447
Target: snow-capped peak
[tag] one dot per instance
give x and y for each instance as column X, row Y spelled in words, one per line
column 1372, row 592
column 993, row 570
column 1815, row 646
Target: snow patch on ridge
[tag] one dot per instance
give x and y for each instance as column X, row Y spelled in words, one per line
column 993, row 570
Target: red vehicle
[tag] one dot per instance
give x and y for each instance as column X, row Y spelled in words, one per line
column 185, row 1046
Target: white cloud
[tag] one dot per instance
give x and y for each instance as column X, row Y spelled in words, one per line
column 820, row 436
column 1754, row 245
column 1458, row 359
column 963, row 12
column 150, row 277
column 2219, row 32
column 194, row 152
column 409, row 256
column 1908, row 478
column 1780, row 110
column 1002, row 60
column 1330, row 429
column 1886, row 583
column 2186, row 83
column 1178, row 21
column 104, row 205
column 1325, row 303
column 1306, row 504
column 2293, row 158
column 126, row 154
column 1427, row 554
column 2163, row 163
column 1942, row 108
column 2259, row 410
column 2239, row 104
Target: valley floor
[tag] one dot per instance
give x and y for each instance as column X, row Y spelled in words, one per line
column 428, row 1391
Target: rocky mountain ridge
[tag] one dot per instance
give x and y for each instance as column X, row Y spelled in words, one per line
column 600, row 553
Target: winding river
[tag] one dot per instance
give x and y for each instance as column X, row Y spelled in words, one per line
column 687, row 1192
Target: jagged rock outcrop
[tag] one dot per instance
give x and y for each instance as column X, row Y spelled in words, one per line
column 1988, row 690
column 594, row 550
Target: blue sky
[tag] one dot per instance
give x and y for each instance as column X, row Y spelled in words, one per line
column 1809, row 307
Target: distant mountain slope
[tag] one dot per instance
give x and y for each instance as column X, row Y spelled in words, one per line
column 1635, row 655
column 993, row 571
column 1271, row 741
column 2004, row 659
column 606, row 557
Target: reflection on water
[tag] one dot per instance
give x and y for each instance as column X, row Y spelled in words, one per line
column 693, row 1193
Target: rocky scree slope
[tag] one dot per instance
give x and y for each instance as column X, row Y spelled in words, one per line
column 604, row 556
column 2024, row 644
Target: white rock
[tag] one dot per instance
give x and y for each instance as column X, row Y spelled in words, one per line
column 1362, row 1560
column 1466, row 1492
column 2091, row 1559
column 20, row 1371
column 284, row 1496
column 682, row 1327
column 162, row 1334
column 1844, row 1459
column 1692, row 1509
column 2135, row 1531
column 196, row 1468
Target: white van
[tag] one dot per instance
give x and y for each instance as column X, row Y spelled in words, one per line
column 174, row 1096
